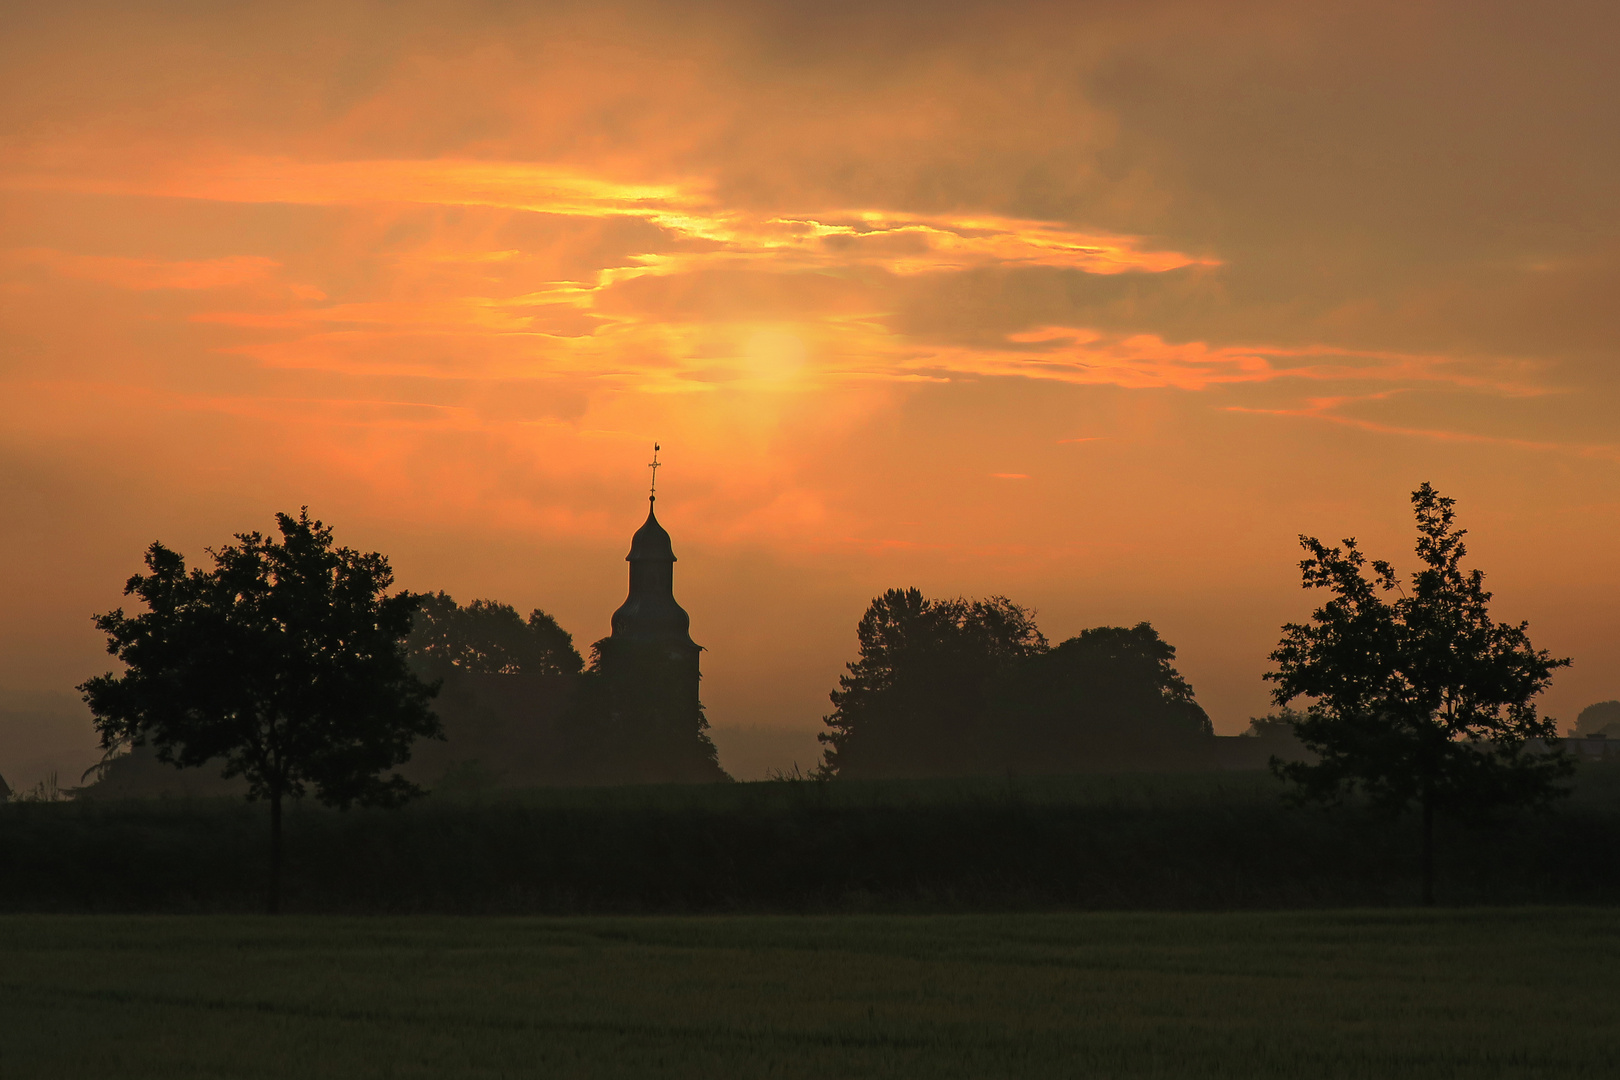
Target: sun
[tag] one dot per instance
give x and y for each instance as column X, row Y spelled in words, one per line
column 775, row 355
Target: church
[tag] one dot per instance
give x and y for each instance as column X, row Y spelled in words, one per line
column 635, row 715
column 639, row 703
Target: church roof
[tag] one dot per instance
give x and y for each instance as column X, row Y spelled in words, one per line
column 651, row 541
column 650, row 612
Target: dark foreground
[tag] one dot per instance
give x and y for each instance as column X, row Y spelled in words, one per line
column 1479, row 993
column 1190, row 842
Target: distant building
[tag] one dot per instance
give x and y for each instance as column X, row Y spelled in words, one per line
column 1593, row 747
column 650, row 620
column 642, row 698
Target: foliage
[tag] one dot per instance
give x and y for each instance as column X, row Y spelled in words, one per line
column 487, row 637
column 961, row 687
column 45, row 791
column 137, row 773
column 1602, row 718
column 914, row 702
column 283, row 661
column 1109, row 694
column 1418, row 700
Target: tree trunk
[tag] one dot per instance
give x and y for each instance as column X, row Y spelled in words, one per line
column 1428, row 849
column 274, row 899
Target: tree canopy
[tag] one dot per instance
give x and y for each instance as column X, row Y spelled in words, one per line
column 959, row 686
column 283, row 661
column 487, row 637
column 912, row 703
column 1602, row 718
column 1416, row 696
column 1110, row 693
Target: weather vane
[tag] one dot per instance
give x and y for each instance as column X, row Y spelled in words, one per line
column 652, row 492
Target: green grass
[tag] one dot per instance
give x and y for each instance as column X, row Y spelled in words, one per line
column 1478, row 993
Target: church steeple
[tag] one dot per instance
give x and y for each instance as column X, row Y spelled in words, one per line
column 650, row 612
column 644, row 678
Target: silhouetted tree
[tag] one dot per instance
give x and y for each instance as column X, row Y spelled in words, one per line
column 914, row 702
column 1421, row 699
column 1603, row 718
column 284, row 660
column 486, row 637
column 1110, row 695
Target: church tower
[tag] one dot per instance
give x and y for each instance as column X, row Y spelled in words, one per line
column 647, row 670
column 650, row 614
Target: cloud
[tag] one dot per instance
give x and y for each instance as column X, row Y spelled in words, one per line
column 143, row 274
column 1138, row 361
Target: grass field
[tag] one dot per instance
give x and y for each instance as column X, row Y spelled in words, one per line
column 1479, row 993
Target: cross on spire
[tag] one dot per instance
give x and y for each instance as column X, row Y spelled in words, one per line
column 652, row 492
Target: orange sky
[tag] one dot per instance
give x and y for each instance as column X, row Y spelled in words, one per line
column 1094, row 305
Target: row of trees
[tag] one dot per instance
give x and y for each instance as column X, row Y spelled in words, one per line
column 958, row 687
column 487, row 638
column 292, row 665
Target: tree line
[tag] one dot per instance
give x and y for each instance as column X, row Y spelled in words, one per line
column 957, row 687
column 292, row 664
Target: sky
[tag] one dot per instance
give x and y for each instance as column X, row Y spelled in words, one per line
column 1097, row 306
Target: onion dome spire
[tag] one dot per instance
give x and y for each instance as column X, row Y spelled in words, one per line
column 650, row 612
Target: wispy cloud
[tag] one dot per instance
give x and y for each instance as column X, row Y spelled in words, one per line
column 1328, row 410
column 1143, row 361
column 143, row 274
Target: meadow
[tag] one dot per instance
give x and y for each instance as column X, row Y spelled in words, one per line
column 1479, row 993
column 1203, row 841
